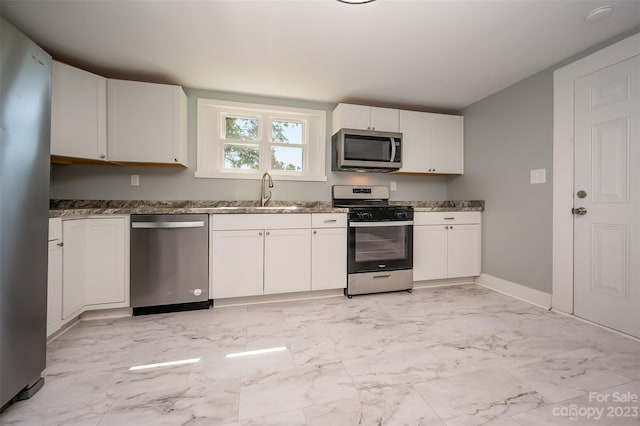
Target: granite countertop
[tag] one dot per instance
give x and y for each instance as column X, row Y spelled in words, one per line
column 65, row 208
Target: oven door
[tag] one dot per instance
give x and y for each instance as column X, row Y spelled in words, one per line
column 380, row 246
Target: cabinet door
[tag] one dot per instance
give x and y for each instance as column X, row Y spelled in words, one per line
column 78, row 113
column 328, row 258
column 74, row 263
column 348, row 116
column 146, row 122
column 429, row 252
column 54, row 288
column 105, row 258
column 447, row 141
column 464, row 248
column 237, row 263
column 384, row 119
column 416, row 141
column 287, row 260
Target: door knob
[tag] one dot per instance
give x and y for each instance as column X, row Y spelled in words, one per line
column 580, row 211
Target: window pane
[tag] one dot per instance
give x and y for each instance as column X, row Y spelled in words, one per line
column 241, row 128
column 246, row 157
column 286, row 132
column 285, row 158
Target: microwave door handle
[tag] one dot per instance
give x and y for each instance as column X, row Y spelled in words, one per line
column 393, row 150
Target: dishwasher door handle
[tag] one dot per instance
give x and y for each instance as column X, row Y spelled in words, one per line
column 167, row 225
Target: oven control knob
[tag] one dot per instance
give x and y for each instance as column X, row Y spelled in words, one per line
column 401, row 215
column 364, row 215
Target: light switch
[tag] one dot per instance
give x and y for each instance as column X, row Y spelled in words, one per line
column 538, row 176
column 135, row 180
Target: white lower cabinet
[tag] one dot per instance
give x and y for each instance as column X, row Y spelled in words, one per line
column 54, row 277
column 74, row 267
column 237, row 263
column 93, row 266
column 430, row 256
column 463, row 250
column 329, row 251
column 256, row 254
column 446, row 245
column 106, row 277
column 287, row 260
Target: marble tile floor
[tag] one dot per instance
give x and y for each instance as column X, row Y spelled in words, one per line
column 460, row 355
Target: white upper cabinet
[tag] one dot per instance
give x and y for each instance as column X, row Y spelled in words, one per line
column 447, row 144
column 147, row 123
column 349, row 116
column 431, row 143
column 78, row 113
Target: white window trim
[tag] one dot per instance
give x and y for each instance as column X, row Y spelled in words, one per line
column 209, row 155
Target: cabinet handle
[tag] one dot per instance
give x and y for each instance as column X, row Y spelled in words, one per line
column 449, row 218
column 102, row 156
column 330, row 220
column 260, row 233
column 268, row 233
column 175, row 159
column 315, row 232
column 60, row 244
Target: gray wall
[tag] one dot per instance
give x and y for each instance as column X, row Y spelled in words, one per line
column 506, row 135
column 113, row 182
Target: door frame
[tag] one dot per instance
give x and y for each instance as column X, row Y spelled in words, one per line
column 563, row 161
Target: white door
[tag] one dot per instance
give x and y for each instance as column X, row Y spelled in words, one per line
column 607, row 165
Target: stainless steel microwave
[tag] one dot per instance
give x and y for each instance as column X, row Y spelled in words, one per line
column 356, row 150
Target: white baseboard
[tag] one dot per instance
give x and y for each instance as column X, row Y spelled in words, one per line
column 277, row 298
column 443, row 282
column 518, row 291
column 106, row 314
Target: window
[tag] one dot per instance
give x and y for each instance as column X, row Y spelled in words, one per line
column 243, row 141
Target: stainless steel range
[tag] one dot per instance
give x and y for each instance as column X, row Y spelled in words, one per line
column 380, row 240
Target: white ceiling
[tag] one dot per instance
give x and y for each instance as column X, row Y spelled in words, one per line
column 408, row 53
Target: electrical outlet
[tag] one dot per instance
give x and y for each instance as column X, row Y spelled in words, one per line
column 538, row 176
column 394, row 186
column 135, row 180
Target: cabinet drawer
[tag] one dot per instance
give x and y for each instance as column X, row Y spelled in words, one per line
column 437, row 218
column 226, row 222
column 329, row 220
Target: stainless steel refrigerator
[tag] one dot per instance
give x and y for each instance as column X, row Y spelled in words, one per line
column 25, row 121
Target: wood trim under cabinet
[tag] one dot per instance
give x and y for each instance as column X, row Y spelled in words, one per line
column 59, row 159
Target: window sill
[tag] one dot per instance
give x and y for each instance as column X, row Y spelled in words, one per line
column 208, row 174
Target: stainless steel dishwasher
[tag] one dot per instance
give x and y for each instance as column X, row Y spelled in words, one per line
column 169, row 262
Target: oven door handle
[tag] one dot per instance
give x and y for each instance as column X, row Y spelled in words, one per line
column 380, row 224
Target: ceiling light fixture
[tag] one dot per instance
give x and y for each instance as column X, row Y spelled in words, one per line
column 355, row 1
column 598, row 14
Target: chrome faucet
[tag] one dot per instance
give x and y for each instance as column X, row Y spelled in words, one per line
column 264, row 197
